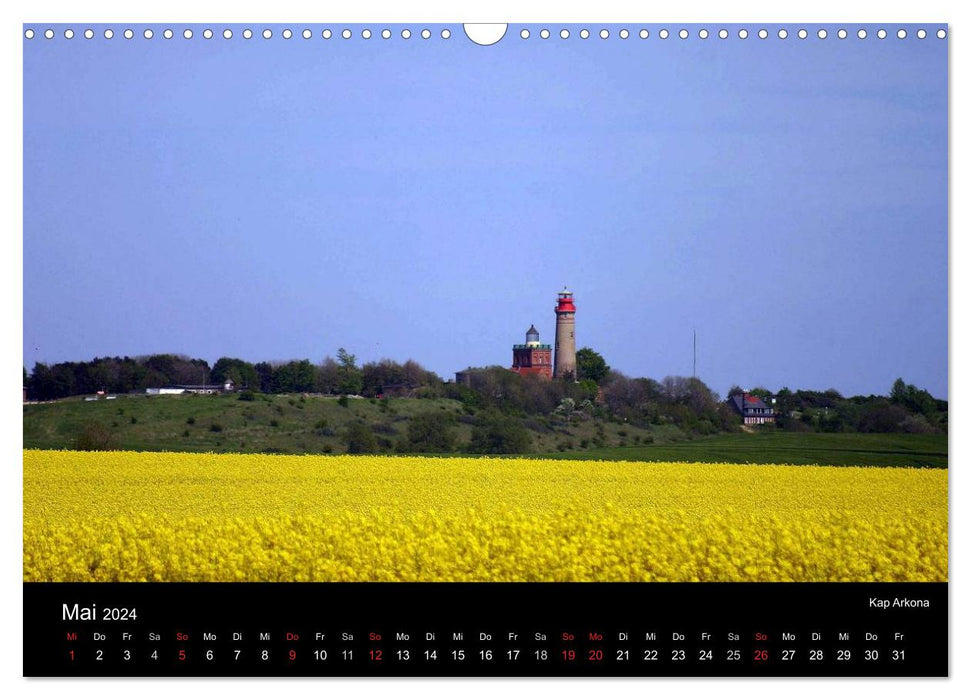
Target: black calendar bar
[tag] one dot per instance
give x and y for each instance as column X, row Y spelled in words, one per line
column 474, row 629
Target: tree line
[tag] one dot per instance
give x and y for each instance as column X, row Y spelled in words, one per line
column 340, row 375
column 598, row 392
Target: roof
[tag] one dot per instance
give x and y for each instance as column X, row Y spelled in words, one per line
column 532, row 330
column 746, row 401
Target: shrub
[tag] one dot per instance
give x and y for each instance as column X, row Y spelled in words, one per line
column 95, row 437
column 360, row 438
column 246, row 396
column 215, row 428
column 343, row 402
column 496, row 433
column 134, row 420
column 190, row 420
column 429, row 432
column 274, row 423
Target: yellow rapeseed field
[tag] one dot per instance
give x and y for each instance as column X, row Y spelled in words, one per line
column 125, row 516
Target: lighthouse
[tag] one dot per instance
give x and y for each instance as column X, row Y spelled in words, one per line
column 565, row 357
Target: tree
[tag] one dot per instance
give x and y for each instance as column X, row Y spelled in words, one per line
column 296, row 375
column 264, row 370
column 242, row 373
column 349, row 376
column 327, row 376
column 591, row 365
column 910, row 397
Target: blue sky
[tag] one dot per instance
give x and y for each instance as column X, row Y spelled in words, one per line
column 427, row 199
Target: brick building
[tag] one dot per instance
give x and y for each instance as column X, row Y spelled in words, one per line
column 533, row 357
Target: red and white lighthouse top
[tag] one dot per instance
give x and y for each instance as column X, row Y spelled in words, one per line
column 564, row 302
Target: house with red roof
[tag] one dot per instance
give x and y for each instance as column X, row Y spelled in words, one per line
column 751, row 408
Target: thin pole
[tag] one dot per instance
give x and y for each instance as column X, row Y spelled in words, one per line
column 694, row 354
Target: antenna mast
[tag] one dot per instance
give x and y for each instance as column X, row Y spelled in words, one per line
column 694, row 353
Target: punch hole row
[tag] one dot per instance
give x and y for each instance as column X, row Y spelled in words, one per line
column 446, row 33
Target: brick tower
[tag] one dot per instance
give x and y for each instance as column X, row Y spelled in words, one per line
column 532, row 357
column 565, row 360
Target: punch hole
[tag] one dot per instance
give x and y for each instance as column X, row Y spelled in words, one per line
column 643, row 34
column 584, row 33
column 624, row 33
column 722, row 33
column 287, row 33
column 89, row 33
column 683, row 34
column 227, row 33
column 109, row 33
column 564, row 33
column 148, row 34
column 307, row 34
column 68, row 33
column 861, row 33
column 941, row 34
column 921, row 34
column 426, row 34
column 763, row 34
column 187, row 34
column 783, row 34
column 49, row 34
column 841, row 33
column 743, row 33
column 405, row 33
column 327, row 34
column 821, row 34
column 604, row 34
column 703, row 33
column 803, row 34
column 29, row 34
column 366, row 33
column 346, row 34
column 524, row 33
column 168, row 34
column 544, row 34
column 446, row 33
column 385, row 33
column 207, row 34
column 901, row 33
column 247, row 33
column 881, row 34
column 663, row 34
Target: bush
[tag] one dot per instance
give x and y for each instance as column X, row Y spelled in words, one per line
column 916, row 424
column 190, row 420
column 343, row 402
column 133, row 420
column 360, row 439
column 215, row 428
column 95, row 437
column 429, row 432
column 274, row 423
column 496, row 433
column 246, row 396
